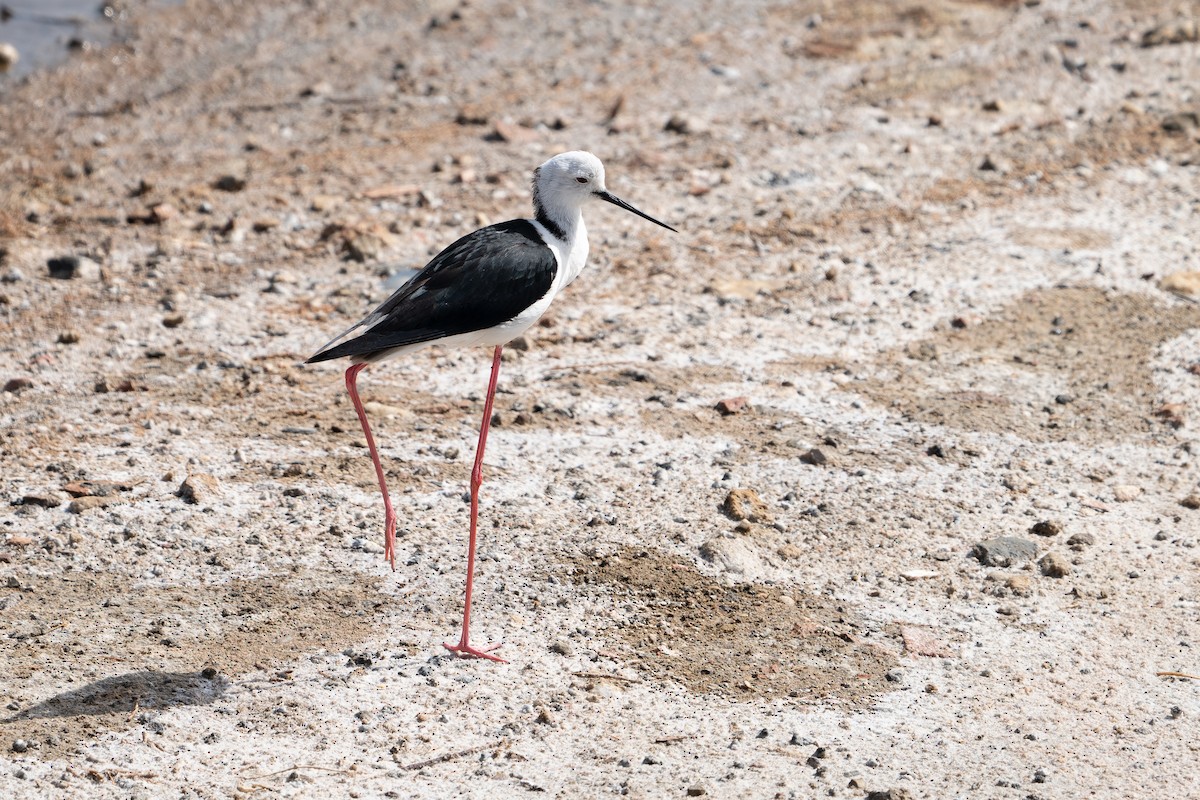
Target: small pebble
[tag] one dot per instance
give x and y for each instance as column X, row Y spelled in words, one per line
column 1080, row 540
column 733, row 405
column 745, row 504
column 199, row 488
column 1046, row 528
column 1125, row 493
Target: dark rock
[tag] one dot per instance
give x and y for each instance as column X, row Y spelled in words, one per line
column 814, row 457
column 18, row 384
column 1192, row 501
column 67, row 268
column 994, row 163
column 1004, row 551
column 229, row 183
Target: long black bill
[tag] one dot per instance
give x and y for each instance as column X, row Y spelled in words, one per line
column 619, row 203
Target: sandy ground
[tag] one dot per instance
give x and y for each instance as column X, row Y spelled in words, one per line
column 943, row 249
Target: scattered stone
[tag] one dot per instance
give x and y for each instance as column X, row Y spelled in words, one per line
column 67, row 268
column 69, row 337
column 1187, row 283
column 995, row 163
column 20, row 745
column 815, row 457
column 696, row 791
column 81, row 504
column 1173, row 414
column 919, row 574
column 732, row 555
column 1192, row 501
column 1080, row 540
column 791, row 552
column 1181, row 122
column 199, row 488
column 324, row 202
column 163, row 212
column 733, row 405
column 1004, row 551
column 391, row 191
column 1020, row 585
column 684, row 126
column 173, row 320
column 8, row 56
column 562, row 648
column 362, row 242
column 43, row 499
column 1054, row 566
column 897, row 793
column 1046, row 527
column 96, row 488
column 18, row 385
column 1125, row 493
column 112, row 384
column 1176, row 32
column 229, row 183
column 745, row 504
column 545, row 717
column 921, row 642
column 993, row 105
column 513, row 134
column 318, row 89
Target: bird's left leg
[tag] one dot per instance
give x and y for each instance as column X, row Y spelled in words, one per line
column 464, row 648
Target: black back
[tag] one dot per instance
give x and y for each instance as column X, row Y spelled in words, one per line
column 482, row 280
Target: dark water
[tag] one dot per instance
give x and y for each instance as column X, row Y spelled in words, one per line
column 46, row 32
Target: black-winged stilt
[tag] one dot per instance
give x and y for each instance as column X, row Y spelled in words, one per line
column 487, row 288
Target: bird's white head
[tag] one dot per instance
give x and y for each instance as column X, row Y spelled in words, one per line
column 564, row 183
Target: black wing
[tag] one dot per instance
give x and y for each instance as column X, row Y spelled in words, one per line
column 484, row 279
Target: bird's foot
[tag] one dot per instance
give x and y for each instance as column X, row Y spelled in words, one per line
column 389, row 540
column 464, row 650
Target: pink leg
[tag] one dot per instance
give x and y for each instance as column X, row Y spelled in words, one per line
column 463, row 648
column 389, row 516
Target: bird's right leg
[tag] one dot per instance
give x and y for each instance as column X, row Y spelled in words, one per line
column 389, row 519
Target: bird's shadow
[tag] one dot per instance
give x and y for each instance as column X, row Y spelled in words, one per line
column 129, row 692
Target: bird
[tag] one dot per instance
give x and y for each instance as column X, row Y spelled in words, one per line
column 485, row 289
